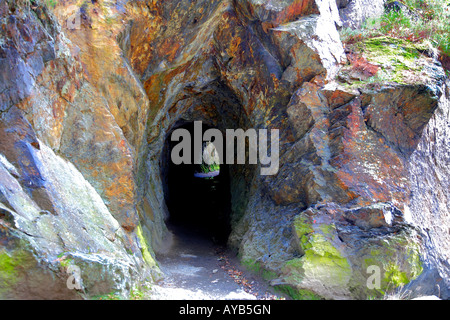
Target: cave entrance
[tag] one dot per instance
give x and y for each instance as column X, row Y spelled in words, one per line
column 197, row 196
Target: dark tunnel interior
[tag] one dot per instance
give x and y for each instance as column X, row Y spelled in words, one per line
column 196, row 200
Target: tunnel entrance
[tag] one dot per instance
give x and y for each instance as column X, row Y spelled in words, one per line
column 197, row 196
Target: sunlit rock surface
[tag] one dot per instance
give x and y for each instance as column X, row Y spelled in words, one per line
column 90, row 91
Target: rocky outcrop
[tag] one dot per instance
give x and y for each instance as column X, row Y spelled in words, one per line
column 61, row 150
column 91, row 92
column 354, row 178
column 63, row 226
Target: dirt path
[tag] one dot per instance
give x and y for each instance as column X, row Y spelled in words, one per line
column 196, row 269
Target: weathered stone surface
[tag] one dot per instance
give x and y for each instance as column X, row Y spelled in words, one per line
column 406, row 111
column 80, row 231
column 342, row 157
column 354, row 13
column 319, row 33
column 276, row 12
column 40, row 108
column 428, row 207
column 91, row 91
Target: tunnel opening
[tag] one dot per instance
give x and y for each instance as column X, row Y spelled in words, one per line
column 197, row 196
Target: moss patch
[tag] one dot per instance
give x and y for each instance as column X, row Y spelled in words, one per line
column 398, row 259
column 398, row 59
column 7, row 268
column 394, row 275
column 298, row 294
column 108, row 296
column 251, row 265
column 12, row 265
column 303, row 228
column 145, row 248
column 321, row 262
column 302, row 225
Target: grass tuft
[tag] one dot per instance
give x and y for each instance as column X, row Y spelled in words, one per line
column 413, row 20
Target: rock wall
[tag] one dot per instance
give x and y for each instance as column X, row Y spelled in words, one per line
column 90, row 92
column 429, row 206
column 67, row 185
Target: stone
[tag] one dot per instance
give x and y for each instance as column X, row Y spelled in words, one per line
column 86, row 114
column 82, row 231
column 373, row 216
column 354, row 13
column 331, row 264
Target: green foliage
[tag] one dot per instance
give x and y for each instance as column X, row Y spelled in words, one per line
column 145, row 247
column 51, row 3
column 141, row 293
column 205, row 168
column 418, row 21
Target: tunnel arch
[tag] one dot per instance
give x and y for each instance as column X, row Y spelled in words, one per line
column 216, row 106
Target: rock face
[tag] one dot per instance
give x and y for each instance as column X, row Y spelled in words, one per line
column 428, row 205
column 91, row 92
column 61, row 149
column 354, row 13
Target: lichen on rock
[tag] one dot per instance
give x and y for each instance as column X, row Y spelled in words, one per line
column 322, row 268
column 337, row 256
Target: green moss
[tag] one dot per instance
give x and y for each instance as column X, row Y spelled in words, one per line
column 395, row 276
column 268, row 275
column 7, row 265
column 12, row 264
column 397, row 59
column 145, row 248
column 314, row 243
column 303, row 229
column 325, row 266
column 257, row 268
column 398, row 259
column 298, row 294
column 320, row 261
column 426, row 21
column 320, row 246
column 140, row 292
column 387, row 46
column 108, row 296
column 51, row 3
column 415, row 262
column 327, row 229
column 66, row 262
column 251, row 265
column 302, row 225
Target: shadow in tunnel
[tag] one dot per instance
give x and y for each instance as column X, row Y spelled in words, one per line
column 198, row 202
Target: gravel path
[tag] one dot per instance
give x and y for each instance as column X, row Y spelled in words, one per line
column 196, row 269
